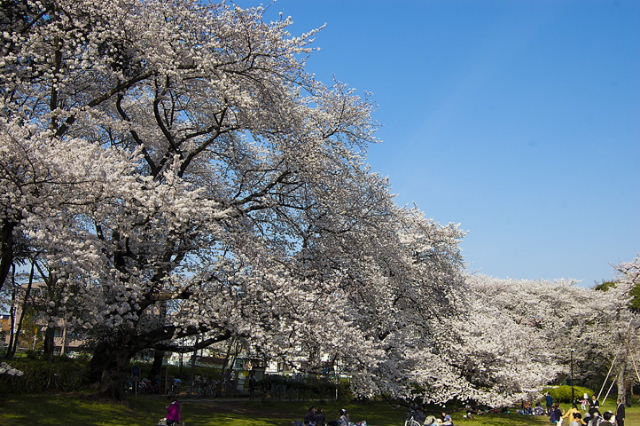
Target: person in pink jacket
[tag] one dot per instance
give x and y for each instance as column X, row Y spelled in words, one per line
column 174, row 412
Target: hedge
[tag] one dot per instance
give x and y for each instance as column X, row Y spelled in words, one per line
column 283, row 387
column 563, row 393
column 174, row 370
column 62, row 375
column 67, row 375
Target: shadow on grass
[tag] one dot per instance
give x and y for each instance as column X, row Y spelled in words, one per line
column 82, row 410
column 71, row 410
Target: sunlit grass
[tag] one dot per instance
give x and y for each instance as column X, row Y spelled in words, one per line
column 82, row 410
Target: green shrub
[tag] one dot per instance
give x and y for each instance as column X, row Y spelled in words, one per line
column 283, row 387
column 187, row 372
column 67, row 375
column 39, row 376
column 563, row 393
column 63, row 374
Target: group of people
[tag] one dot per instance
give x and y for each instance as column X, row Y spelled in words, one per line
column 573, row 416
column 527, row 409
column 418, row 416
column 315, row 417
column 593, row 417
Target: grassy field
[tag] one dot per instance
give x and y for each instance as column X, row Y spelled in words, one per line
column 79, row 410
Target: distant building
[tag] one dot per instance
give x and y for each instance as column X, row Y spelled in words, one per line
column 64, row 339
column 5, row 328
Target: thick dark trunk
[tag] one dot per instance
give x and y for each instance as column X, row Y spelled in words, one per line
column 49, row 342
column 6, row 249
column 158, row 355
column 109, row 369
column 98, row 362
column 156, row 367
column 109, row 366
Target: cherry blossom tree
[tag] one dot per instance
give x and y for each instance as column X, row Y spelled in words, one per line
column 517, row 335
column 614, row 338
column 415, row 288
column 177, row 173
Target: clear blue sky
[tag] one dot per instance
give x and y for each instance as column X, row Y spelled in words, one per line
column 518, row 119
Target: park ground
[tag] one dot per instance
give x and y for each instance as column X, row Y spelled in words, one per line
column 82, row 410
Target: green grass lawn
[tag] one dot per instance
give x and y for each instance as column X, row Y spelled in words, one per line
column 81, row 410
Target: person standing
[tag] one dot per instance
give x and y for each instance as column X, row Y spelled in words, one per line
column 584, row 401
column 556, row 414
column 620, row 414
column 252, row 383
column 549, row 400
column 174, row 412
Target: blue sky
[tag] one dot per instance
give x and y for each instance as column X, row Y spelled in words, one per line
column 518, row 119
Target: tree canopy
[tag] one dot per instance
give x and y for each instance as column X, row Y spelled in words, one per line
column 173, row 172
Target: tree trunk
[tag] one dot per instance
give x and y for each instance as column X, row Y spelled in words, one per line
column 49, row 342
column 11, row 351
column 620, row 385
column 109, row 369
column 158, row 355
column 63, row 347
column 6, row 249
column 50, row 280
column 12, row 315
column 156, row 367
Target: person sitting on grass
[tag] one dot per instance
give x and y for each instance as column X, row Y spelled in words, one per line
column 570, row 415
column 469, row 411
column 343, row 420
column 310, row 419
column 594, row 419
column 577, row 420
column 446, row 419
column 607, row 419
column 320, row 417
column 430, row 420
column 419, row 415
